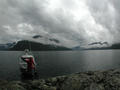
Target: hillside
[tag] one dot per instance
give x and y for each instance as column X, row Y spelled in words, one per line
column 98, row 46
column 116, row 46
column 35, row 46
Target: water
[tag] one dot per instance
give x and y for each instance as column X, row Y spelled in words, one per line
column 55, row 63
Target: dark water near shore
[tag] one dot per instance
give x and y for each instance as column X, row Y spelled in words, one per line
column 55, row 63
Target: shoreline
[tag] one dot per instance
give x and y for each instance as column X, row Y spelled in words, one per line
column 91, row 80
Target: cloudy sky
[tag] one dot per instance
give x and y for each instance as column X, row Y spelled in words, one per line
column 72, row 22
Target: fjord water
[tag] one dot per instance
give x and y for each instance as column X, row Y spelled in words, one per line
column 55, row 63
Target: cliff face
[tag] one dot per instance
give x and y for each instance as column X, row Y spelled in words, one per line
column 98, row 80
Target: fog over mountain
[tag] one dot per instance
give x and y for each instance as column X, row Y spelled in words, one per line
column 71, row 22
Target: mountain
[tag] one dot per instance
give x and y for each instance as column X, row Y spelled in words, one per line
column 2, row 47
column 78, row 48
column 99, row 43
column 7, row 46
column 35, row 46
column 115, row 46
column 98, row 46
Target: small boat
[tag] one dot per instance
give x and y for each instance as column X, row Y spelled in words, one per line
column 24, row 67
column 26, row 70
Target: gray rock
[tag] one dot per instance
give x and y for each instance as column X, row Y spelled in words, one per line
column 92, row 80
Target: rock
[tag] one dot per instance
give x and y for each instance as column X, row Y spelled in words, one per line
column 15, row 87
column 98, row 77
column 95, row 86
column 36, row 84
column 45, row 87
column 4, row 85
column 92, row 80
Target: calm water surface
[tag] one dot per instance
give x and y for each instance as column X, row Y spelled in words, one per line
column 54, row 63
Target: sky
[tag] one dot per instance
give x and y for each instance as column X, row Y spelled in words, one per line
column 72, row 22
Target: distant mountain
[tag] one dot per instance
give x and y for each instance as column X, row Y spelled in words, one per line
column 98, row 46
column 6, row 46
column 35, row 46
column 100, row 43
column 2, row 47
column 77, row 48
column 115, row 46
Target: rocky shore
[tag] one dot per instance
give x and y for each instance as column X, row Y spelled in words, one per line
column 91, row 80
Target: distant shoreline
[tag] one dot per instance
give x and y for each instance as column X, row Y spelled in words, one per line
column 63, row 50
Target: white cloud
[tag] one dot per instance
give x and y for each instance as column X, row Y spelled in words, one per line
column 73, row 22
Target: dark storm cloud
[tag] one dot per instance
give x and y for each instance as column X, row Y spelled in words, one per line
column 72, row 22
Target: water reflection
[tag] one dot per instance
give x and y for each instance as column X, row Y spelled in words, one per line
column 28, row 76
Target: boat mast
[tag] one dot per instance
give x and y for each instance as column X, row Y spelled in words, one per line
column 29, row 44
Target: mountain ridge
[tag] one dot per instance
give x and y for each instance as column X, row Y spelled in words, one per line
column 35, row 46
column 113, row 46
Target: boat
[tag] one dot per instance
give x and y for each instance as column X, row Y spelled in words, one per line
column 25, row 71
column 24, row 67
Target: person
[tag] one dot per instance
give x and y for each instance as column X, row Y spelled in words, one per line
column 29, row 59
